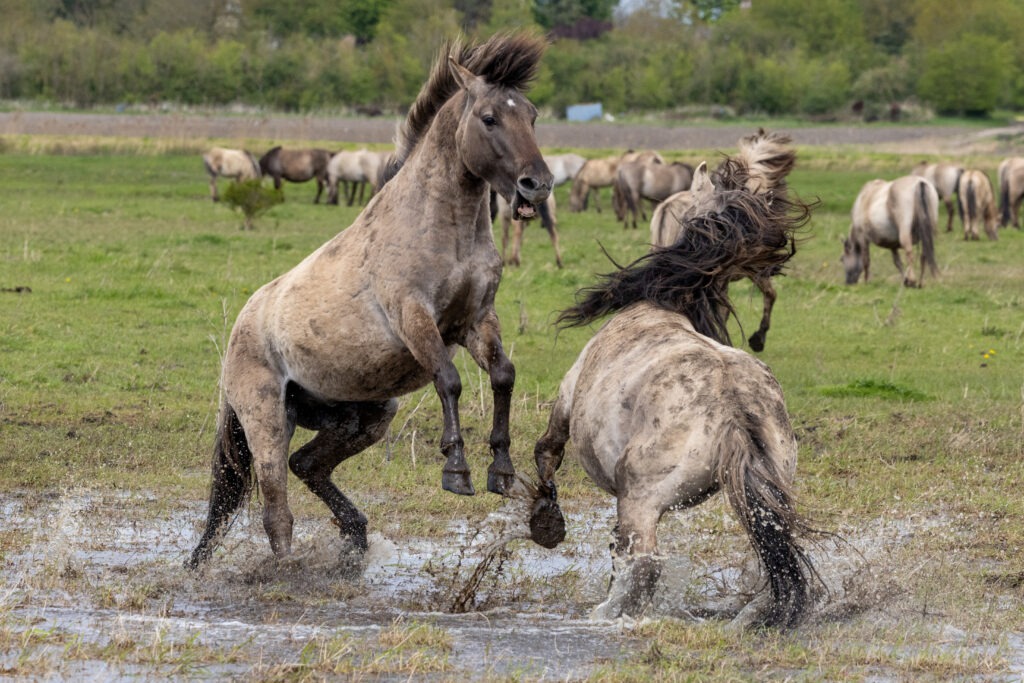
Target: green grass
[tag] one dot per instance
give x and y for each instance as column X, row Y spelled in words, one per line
column 905, row 402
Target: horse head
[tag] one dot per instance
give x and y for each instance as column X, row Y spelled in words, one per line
column 852, row 260
column 496, row 141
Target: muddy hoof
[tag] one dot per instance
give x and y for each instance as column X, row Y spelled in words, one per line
column 499, row 482
column 756, row 342
column 457, row 482
column 547, row 525
column 353, row 534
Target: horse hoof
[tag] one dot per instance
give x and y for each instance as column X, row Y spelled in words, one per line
column 756, row 342
column 457, row 482
column 499, row 482
column 547, row 525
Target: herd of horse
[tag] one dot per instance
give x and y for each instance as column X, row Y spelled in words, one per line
column 662, row 409
column 903, row 213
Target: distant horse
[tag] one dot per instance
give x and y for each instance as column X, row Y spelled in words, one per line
column 663, row 413
column 945, row 177
column 766, row 160
column 353, row 169
column 237, row 164
column 564, row 167
column 895, row 215
column 508, row 223
column 636, row 181
column 598, row 173
column 1011, row 190
column 977, row 205
column 379, row 310
column 297, row 166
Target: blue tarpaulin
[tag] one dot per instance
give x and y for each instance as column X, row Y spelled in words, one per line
column 583, row 112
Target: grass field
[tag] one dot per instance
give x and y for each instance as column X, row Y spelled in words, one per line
column 908, row 404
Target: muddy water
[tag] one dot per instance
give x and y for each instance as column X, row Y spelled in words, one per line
column 93, row 588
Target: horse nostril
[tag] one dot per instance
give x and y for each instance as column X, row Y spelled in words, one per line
column 527, row 183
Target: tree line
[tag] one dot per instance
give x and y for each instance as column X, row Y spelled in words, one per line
column 777, row 57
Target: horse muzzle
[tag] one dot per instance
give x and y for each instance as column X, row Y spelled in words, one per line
column 531, row 192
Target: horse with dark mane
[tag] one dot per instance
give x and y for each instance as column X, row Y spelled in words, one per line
column 379, row 310
column 767, row 159
column 297, row 166
column 664, row 413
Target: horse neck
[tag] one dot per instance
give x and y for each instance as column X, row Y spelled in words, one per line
column 444, row 182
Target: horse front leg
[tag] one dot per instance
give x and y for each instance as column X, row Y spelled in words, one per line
column 418, row 331
column 484, row 344
column 768, row 292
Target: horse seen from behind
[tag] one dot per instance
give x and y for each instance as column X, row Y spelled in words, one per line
column 380, row 309
column 663, row 412
column 896, row 215
column 977, row 203
column 1011, row 190
column 237, row 164
column 945, row 176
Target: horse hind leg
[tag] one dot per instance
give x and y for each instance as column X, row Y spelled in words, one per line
column 636, row 567
column 343, row 432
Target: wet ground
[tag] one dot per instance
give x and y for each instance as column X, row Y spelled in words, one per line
column 93, row 589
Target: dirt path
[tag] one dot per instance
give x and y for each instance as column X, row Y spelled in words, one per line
column 920, row 139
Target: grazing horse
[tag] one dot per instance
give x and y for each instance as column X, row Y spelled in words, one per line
column 946, row 179
column 598, row 173
column 380, row 309
column 896, row 215
column 564, row 167
column 636, row 181
column 359, row 167
column 767, row 158
column 977, row 205
column 508, row 222
column 1011, row 190
column 663, row 413
column 237, row 164
column 297, row 166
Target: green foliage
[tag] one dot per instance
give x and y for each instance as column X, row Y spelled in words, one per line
column 252, row 198
column 966, row 75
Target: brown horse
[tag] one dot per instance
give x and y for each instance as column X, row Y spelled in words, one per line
column 977, row 205
column 637, row 180
column 896, row 215
column 945, row 177
column 1011, row 190
column 516, row 227
column 663, row 413
column 237, row 164
column 297, row 166
column 766, row 160
column 380, row 309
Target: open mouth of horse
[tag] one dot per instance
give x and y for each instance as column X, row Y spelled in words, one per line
column 522, row 209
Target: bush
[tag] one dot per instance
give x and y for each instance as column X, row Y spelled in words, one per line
column 252, row 199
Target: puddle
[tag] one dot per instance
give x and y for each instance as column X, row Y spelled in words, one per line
column 98, row 589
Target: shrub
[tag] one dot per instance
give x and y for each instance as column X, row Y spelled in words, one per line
column 252, row 199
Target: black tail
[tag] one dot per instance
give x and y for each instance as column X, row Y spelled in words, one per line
column 923, row 229
column 972, row 203
column 231, row 483
column 1004, row 199
column 762, row 500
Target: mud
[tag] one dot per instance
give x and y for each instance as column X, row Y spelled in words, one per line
column 95, row 584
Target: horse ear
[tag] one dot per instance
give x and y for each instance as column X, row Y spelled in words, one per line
column 463, row 76
column 701, row 184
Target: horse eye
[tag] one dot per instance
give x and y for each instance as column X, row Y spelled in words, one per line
column 489, row 120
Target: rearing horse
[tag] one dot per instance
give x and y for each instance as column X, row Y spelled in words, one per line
column 379, row 310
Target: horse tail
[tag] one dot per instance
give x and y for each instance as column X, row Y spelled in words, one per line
column 257, row 171
column 209, row 165
column 763, row 501
column 1004, row 196
column 626, row 205
column 230, row 485
column 923, row 226
column 266, row 159
column 972, row 201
